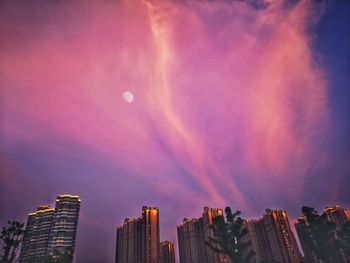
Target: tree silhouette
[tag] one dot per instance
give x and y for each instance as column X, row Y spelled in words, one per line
column 11, row 237
column 319, row 235
column 229, row 237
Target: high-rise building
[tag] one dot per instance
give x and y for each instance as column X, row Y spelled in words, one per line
column 64, row 224
column 167, row 252
column 150, row 219
column 37, row 235
column 130, row 241
column 337, row 215
column 256, row 233
column 192, row 236
column 51, row 229
column 280, row 237
column 272, row 238
column 138, row 240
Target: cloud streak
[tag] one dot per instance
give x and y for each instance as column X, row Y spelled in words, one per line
column 219, row 84
column 230, row 103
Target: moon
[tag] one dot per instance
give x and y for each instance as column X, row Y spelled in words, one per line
column 128, row 97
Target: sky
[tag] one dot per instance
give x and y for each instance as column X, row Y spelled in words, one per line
column 240, row 103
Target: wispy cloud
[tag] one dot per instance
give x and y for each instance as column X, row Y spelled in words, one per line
column 221, row 87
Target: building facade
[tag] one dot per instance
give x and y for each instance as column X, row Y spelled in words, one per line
column 51, row 229
column 281, row 239
column 272, row 238
column 138, row 239
column 338, row 215
column 37, row 235
column 257, row 235
column 150, row 219
column 167, row 252
column 130, row 242
column 64, row 224
column 189, row 238
column 192, row 236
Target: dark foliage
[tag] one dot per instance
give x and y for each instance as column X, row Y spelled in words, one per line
column 11, row 237
column 229, row 237
column 320, row 235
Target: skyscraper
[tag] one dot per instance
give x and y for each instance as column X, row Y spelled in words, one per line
column 37, row 235
column 257, row 235
column 337, row 215
column 167, row 252
column 138, row 240
column 64, row 224
column 192, row 236
column 130, row 243
column 272, row 238
column 150, row 219
column 50, row 229
column 280, row 238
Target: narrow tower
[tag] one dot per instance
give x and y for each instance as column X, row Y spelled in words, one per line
column 138, row 239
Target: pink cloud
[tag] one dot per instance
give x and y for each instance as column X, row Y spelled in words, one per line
column 221, row 86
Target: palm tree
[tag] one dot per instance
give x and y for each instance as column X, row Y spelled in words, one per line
column 11, row 237
column 229, row 237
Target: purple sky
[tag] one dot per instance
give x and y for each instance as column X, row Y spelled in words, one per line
column 240, row 103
